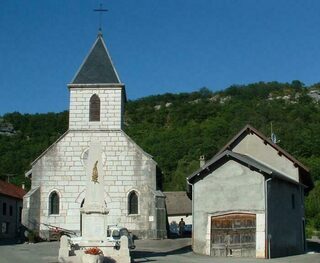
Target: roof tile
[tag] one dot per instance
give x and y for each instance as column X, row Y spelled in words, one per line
column 11, row 190
column 97, row 67
column 178, row 203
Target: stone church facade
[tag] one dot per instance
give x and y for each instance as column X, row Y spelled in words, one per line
column 132, row 193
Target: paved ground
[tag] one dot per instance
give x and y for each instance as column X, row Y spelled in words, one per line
column 169, row 251
column 179, row 251
column 45, row 252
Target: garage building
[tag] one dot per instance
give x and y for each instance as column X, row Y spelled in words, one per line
column 248, row 200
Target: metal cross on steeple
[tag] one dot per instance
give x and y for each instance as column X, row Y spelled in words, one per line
column 100, row 10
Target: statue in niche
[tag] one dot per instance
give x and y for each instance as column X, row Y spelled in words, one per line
column 95, row 173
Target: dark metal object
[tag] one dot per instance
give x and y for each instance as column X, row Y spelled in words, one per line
column 100, row 10
column 56, row 232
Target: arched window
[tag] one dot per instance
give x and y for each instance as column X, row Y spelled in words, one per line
column 94, row 112
column 133, row 203
column 54, row 203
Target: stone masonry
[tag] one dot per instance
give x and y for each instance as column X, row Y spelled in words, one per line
column 111, row 111
column 126, row 167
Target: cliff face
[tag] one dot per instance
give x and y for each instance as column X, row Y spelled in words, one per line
column 6, row 128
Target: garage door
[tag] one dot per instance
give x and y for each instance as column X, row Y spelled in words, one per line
column 233, row 234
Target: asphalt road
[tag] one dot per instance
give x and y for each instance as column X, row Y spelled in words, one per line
column 169, row 251
column 179, row 251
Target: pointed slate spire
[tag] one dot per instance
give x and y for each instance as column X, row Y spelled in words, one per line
column 97, row 67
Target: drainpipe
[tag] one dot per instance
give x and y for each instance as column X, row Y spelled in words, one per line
column 192, row 206
column 302, row 209
column 268, row 237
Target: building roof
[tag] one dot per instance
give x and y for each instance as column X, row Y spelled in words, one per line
column 248, row 161
column 29, row 173
column 249, row 129
column 11, row 190
column 178, row 203
column 97, row 67
column 305, row 176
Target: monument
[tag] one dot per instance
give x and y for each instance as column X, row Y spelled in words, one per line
column 94, row 221
column 94, row 211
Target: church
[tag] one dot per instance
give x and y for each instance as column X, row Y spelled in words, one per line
column 131, row 192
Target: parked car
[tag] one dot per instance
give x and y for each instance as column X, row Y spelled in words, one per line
column 174, row 230
column 114, row 234
column 188, row 230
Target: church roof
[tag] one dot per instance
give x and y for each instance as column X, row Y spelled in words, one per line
column 29, row 173
column 97, row 66
column 11, row 190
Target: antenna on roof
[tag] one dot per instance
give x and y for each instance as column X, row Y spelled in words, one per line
column 273, row 136
column 100, row 10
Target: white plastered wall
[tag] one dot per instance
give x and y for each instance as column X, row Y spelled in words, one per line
column 260, row 235
column 231, row 187
column 252, row 145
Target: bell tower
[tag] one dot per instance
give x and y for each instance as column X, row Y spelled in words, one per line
column 97, row 95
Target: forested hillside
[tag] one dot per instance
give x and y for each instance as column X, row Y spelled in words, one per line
column 177, row 128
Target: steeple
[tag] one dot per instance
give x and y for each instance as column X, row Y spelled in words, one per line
column 97, row 67
column 97, row 96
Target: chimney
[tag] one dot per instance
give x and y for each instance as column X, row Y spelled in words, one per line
column 202, row 161
column 23, row 186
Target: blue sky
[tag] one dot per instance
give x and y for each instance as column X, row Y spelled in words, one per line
column 157, row 46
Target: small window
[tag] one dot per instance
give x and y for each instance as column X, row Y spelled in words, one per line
column 54, row 203
column 94, row 111
column 5, row 227
column 133, row 203
column 4, row 209
column 10, row 210
column 20, row 214
column 293, row 201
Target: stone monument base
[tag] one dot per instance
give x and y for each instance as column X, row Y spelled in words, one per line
column 72, row 250
column 94, row 226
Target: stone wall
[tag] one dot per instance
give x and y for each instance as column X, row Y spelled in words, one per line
column 31, row 209
column 126, row 167
column 111, row 108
